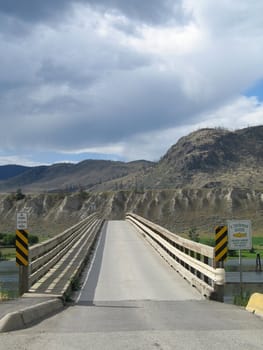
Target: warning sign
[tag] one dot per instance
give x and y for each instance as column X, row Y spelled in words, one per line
column 21, row 220
column 239, row 234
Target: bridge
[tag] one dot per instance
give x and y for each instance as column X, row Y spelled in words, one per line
column 142, row 288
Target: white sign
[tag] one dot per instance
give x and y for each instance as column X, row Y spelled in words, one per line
column 21, row 221
column 239, row 234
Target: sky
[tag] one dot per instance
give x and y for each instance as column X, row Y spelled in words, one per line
column 124, row 80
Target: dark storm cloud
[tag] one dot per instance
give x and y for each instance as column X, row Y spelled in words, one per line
column 153, row 11
column 97, row 66
column 52, row 73
column 122, row 106
column 33, row 10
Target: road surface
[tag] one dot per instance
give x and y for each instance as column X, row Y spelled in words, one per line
column 132, row 299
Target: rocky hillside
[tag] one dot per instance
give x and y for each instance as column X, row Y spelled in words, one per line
column 206, row 178
column 210, row 158
column 179, row 210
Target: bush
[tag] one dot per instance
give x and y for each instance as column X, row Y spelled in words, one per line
column 9, row 239
column 33, row 239
column 19, row 195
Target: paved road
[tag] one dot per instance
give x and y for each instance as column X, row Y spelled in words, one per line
column 133, row 300
column 126, row 268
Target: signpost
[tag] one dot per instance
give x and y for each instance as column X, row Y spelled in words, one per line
column 239, row 234
column 22, row 250
column 239, row 238
column 21, row 220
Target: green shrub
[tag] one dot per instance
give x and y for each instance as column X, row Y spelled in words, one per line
column 241, row 300
column 9, row 239
column 19, row 195
column 33, row 239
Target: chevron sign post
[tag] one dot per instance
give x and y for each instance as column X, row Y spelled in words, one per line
column 21, row 239
column 22, row 250
column 221, row 243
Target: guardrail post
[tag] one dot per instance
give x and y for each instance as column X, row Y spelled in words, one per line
column 219, row 285
column 23, row 279
column 206, row 261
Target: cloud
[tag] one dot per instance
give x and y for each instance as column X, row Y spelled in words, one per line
column 128, row 76
column 33, row 10
column 154, row 11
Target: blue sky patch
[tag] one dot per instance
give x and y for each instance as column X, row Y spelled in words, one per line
column 256, row 90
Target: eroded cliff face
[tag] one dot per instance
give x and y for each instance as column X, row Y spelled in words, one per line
column 178, row 210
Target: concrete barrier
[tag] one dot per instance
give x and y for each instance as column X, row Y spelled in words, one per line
column 255, row 304
column 26, row 317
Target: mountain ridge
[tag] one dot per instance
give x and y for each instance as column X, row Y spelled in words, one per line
column 69, row 176
column 208, row 157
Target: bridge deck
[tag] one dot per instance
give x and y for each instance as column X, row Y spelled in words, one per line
column 127, row 268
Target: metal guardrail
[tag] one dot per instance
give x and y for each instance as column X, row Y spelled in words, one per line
column 194, row 261
column 70, row 247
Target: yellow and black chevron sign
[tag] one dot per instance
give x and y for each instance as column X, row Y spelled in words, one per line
column 22, row 247
column 221, row 243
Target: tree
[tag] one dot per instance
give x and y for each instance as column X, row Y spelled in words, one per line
column 19, row 194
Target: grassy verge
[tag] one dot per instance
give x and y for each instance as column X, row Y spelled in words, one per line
column 257, row 247
column 8, row 295
column 7, row 253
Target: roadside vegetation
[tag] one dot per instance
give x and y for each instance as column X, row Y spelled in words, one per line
column 241, row 300
column 7, row 294
column 257, row 245
column 7, row 245
column 7, row 253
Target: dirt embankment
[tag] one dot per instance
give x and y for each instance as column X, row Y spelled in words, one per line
column 178, row 210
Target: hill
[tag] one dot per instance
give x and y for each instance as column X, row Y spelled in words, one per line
column 211, row 158
column 206, row 178
column 9, row 171
column 70, row 177
column 206, row 158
